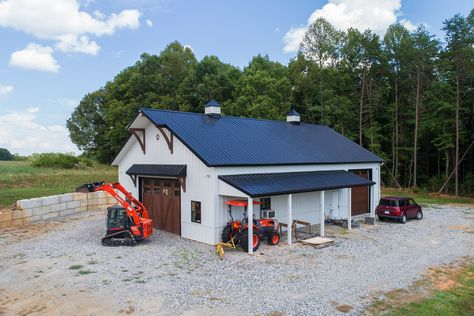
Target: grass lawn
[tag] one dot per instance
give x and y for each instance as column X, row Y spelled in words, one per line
column 453, row 295
column 427, row 198
column 20, row 180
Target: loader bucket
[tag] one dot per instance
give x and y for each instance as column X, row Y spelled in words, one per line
column 220, row 251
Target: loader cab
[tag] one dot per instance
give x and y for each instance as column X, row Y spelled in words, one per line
column 117, row 219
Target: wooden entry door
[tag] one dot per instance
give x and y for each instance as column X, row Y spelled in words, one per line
column 162, row 198
column 360, row 195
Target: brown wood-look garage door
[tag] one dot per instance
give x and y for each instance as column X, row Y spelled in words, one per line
column 161, row 197
column 360, row 195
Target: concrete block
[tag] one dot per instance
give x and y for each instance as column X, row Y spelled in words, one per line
column 66, row 197
column 23, row 213
column 92, row 195
column 7, row 216
column 50, row 215
column 84, row 203
column 5, row 224
column 93, row 202
column 17, row 214
column 50, row 200
column 80, row 209
column 41, row 210
column 32, row 219
column 17, row 222
column 66, row 212
column 62, row 206
column 31, row 203
column 102, row 194
column 73, row 204
column 79, row 196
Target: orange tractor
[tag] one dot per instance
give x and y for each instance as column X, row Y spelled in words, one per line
column 236, row 232
column 128, row 222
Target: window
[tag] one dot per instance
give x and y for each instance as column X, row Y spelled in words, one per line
column 385, row 202
column 266, row 204
column 195, row 212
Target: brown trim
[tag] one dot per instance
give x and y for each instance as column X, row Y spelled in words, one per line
column 135, row 131
column 182, row 181
column 169, row 140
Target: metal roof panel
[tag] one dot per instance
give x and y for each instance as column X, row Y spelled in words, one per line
column 232, row 141
column 268, row 184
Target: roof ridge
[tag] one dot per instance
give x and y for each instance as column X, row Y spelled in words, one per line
column 232, row 116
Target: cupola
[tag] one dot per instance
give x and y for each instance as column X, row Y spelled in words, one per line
column 293, row 117
column 212, row 108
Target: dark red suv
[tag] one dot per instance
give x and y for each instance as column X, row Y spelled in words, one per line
column 399, row 208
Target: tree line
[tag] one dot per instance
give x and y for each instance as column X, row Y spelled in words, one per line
column 407, row 96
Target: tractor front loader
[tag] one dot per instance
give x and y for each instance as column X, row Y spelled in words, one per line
column 128, row 222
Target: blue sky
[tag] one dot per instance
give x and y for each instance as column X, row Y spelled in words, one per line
column 55, row 51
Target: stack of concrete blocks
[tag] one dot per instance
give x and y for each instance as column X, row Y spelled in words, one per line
column 43, row 208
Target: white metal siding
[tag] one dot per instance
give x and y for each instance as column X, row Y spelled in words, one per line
column 199, row 181
column 202, row 185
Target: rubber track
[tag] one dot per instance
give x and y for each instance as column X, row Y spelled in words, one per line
column 110, row 241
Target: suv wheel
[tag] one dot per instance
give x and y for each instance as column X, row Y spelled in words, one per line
column 404, row 219
column 419, row 215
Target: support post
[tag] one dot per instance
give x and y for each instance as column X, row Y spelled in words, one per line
column 290, row 219
column 349, row 208
column 250, row 223
column 321, row 214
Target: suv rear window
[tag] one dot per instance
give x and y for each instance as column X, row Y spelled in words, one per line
column 385, row 202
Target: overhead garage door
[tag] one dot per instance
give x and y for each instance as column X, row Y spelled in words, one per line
column 161, row 197
column 360, row 195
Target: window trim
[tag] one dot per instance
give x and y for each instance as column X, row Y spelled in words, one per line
column 196, row 211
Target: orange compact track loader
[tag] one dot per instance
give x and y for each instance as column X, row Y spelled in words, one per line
column 128, row 222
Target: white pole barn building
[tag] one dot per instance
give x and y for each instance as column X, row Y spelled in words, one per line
column 184, row 166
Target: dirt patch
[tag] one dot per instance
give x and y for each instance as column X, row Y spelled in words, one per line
column 344, row 308
column 443, row 278
column 458, row 227
column 67, row 302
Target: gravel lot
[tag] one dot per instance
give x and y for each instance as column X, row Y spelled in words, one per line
column 170, row 275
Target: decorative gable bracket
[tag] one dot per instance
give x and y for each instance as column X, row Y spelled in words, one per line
column 168, row 139
column 141, row 140
column 134, row 179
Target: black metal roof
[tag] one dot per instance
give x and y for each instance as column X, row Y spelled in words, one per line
column 293, row 112
column 236, row 141
column 212, row 103
column 158, row 170
column 267, row 184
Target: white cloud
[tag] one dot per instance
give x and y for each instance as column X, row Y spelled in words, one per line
column 293, row 38
column 32, row 109
column 5, row 89
column 376, row 15
column 35, row 57
column 408, row 25
column 64, row 22
column 149, row 23
column 188, row 46
column 82, row 44
column 22, row 133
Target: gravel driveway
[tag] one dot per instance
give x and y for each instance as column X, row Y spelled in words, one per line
column 59, row 267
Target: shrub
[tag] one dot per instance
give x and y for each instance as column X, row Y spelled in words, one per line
column 5, row 154
column 55, row 160
column 86, row 162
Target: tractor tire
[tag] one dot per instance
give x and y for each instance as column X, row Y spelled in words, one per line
column 273, row 238
column 227, row 234
column 244, row 241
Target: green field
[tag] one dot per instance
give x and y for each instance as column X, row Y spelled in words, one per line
column 20, row 180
